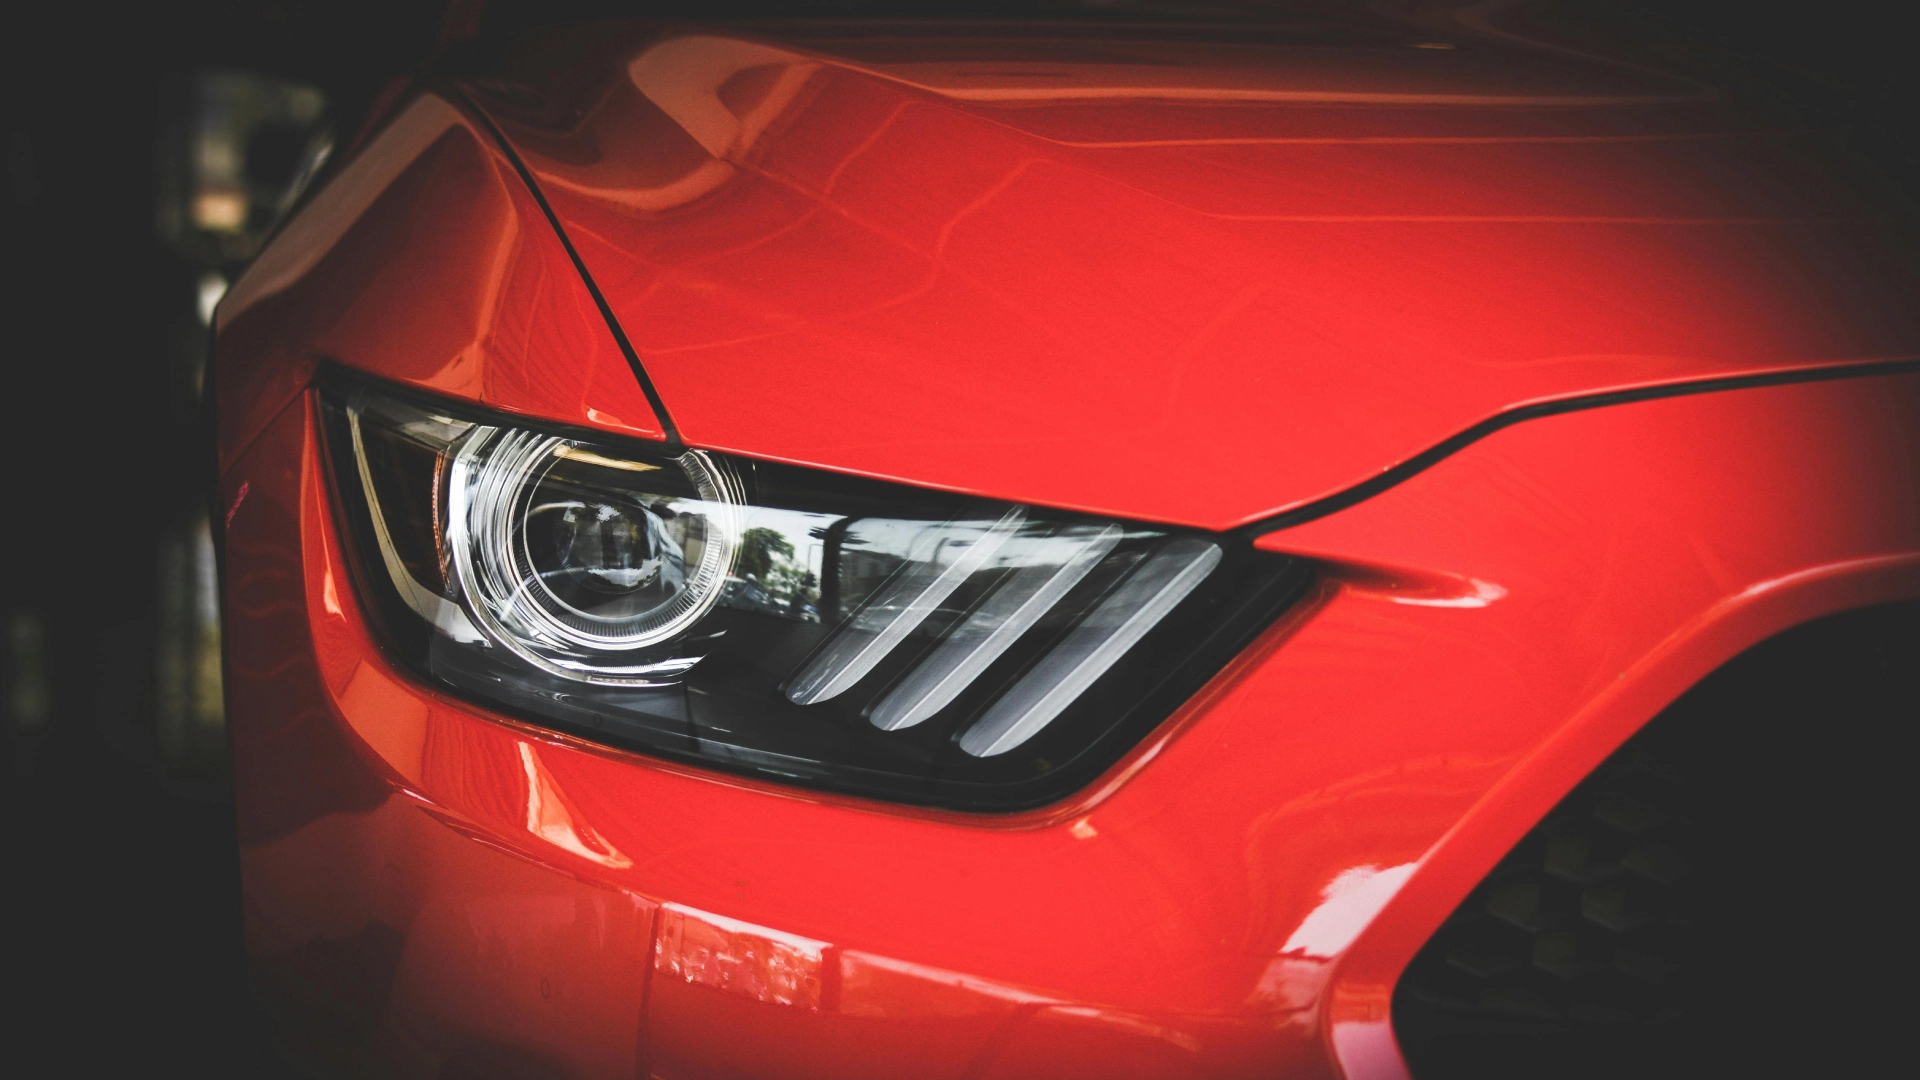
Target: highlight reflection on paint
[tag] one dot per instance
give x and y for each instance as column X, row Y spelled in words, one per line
column 1347, row 905
column 739, row 958
column 549, row 817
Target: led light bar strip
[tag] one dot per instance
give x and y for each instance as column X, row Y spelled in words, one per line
column 902, row 605
column 1155, row 587
column 1010, row 612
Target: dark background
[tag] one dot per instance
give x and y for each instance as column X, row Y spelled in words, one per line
column 122, row 924
column 122, row 912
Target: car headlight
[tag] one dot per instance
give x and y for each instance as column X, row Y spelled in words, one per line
column 791, row 623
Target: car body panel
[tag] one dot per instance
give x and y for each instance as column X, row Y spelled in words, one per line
column 429, row 262
column 1233, row 899
column 1191, row 284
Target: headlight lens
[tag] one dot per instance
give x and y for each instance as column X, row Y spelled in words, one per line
column 842, row 633
column 578, row 562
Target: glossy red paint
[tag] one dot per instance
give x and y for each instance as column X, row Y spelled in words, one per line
column 1154, row 280
column 428, row 263
column 1144, row 925
column 1195, row 308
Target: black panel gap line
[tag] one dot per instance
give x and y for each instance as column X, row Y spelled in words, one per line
column 674, row 443
column 1439, row 452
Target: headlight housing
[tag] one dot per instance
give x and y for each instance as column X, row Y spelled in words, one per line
column 789, row 623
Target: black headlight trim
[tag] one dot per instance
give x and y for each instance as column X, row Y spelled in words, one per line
column 844, row 745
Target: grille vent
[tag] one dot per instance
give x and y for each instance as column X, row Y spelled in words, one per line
column 1722, row 896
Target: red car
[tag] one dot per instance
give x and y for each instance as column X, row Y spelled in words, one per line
column 1072, row 546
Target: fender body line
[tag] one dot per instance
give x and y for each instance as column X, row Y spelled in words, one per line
column 674, row 443
column 1433, row 455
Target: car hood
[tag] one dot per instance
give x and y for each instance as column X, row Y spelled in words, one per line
column 1177, row 280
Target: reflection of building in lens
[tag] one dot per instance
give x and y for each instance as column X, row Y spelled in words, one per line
column 768, row 577
column 669, row 557
column 618, row 551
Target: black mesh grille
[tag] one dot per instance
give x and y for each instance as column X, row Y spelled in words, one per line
column 1718, row 891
